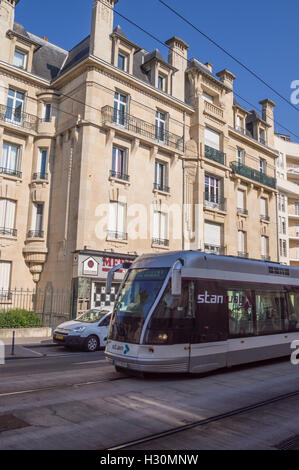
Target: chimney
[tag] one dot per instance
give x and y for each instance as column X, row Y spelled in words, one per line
column 227, row 78
column 268, row 116
column 45, row 38
column 101, row 29
column 178, row 58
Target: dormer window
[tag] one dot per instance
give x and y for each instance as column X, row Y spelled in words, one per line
column 122, row 62
column 20, row 59
column 162, row 83
column 262, row 137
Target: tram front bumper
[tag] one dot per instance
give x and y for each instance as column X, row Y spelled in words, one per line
column 147, row 364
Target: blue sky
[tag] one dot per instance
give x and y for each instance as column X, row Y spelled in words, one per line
column 263, row 34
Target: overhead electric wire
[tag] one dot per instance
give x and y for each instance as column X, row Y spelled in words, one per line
column 248, row 69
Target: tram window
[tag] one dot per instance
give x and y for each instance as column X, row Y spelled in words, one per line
column 292, row 319
column 172, row 321
column 270, row 312
column 240, row 312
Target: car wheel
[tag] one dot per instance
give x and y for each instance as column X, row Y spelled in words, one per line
column 92, row 343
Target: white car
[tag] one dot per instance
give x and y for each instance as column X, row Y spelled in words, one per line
column 89, row 331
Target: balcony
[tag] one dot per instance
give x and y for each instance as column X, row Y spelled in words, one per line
column 214, row 202
column 160, row 242
column 215, row 249
column 10, row 172
column 117, row 236
column 40, row 176
column 242, row 254
column 119, row 176
column 161, row 187
column 265, row 258
column 8, row 232
column 264, row 218
column 17, row 118
column 214, row 110
column 242, row 211
column 142, row 128
column 36, row 234
column 214, row 154
column 255, row 175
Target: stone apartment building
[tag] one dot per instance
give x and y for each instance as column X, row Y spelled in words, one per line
column 288, row 199
column 110, row 151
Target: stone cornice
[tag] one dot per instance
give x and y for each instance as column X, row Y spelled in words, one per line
column 24, row 76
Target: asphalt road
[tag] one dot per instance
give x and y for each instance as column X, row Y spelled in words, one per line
column 76, row 400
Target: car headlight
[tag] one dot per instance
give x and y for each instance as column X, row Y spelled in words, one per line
column 79, row 329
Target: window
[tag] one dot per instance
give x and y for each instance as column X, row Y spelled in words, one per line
column 117, row 220
column 162, row 83
column 265, row 246
column 241, row 208
column 5, row 270
column 241, row 243
column 283, row 248
column 161, row 176
column 7, row 217
column 37, row 221
column 119, row 163
column 10, row 162
column 212, row 189
column 160, row 230
column 208, row 98
column 240, row 312
column 283, row 226
column 15, row 106
column 264, row 212
column 240, row 156
column 281, row 202
column 122, row 62
column 20, row 59
column 270, row 311
column 212, row 236
column 240, row 124
column 262, row 137
column 47, row 112
column 297, row 230
column 41, row 164
column 212, row 138
column 296, row 208
column 160, row 127
column 263, row 165
column 120, row 109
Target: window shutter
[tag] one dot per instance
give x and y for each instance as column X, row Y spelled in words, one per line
column 10, row 214
column 212, row 233
column 212, row 138
column 5, row 268
column 112, row 217
column 240, row 199
column 156, row 228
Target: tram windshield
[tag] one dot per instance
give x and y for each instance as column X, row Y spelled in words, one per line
column 134, row 302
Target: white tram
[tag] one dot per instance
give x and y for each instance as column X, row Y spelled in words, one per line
column 193, row 312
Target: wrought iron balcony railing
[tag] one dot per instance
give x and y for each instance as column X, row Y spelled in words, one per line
column 161, row 187
column 36, row 234
column 11, row 172
column 117, row 235
column 138, row 126
column 242, row 211
column 214, row 202
column 215, row 154
column 160, row 241
column 120, row 176
column 16, row 117
column 254, row 175
column 215, row 249
column 266, row 218
column 40, row 176
column 11, row 232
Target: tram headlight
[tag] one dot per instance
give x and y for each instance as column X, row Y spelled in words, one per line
column 163, row 337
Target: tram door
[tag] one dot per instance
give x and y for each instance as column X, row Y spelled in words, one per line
column 209, row 340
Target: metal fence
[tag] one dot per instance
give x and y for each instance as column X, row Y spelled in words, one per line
column 52, row 306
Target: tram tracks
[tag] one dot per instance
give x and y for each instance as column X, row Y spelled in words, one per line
column 203, row 422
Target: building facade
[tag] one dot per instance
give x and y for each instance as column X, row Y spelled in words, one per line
column 110, row 151
column 288, row 199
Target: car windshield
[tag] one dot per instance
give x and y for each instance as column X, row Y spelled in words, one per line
column 91, row 316
column 134, row 302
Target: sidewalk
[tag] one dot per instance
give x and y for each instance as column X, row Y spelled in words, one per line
column 24, row 347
